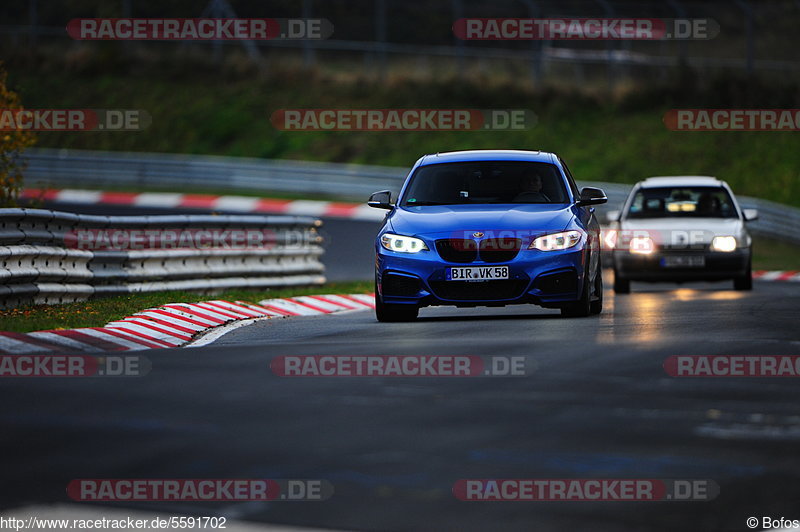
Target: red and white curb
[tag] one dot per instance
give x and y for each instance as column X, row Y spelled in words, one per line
column 244, row 204
column 176, row 324
column 763, row 275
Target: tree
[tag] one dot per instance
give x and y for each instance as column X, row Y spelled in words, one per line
column 13, row 142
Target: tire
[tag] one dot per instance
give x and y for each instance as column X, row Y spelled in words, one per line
column 582, row 307
column 745, row 282
column 596, row 306
column 621, row 285
column 388, row 313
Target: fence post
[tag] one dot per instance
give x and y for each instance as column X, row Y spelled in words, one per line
column 458, row 12
column 750, row 29
column 308, row 52
column 611, row 69
column 222, row 9
column 33, row 23
column 380, row 36
column 680, row 11
column 127, row 10
column 536, row 45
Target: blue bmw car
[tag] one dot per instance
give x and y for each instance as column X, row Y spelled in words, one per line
column 488, row 228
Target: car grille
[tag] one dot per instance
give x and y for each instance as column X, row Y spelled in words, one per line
column 684, row 248
column 491, row 250
column 479, row 291
column 499, row 249
column 457, row 250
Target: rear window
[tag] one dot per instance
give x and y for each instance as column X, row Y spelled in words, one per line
column 682, row 202
column 486, row 182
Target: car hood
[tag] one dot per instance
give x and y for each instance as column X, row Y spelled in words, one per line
column 701, row 230
column 444, row 219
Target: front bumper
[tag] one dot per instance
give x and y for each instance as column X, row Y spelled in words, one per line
column 718, row 265
column 549, row 279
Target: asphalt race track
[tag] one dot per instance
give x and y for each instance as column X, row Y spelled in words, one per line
column 596, row 403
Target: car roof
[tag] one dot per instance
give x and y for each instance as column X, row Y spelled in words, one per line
column 681, row 181
column 488, row 155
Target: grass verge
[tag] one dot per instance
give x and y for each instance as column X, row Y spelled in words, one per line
column 771, row 254
column 98, row 312
column 601, row 139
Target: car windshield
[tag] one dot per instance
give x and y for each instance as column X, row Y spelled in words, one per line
column 486, row 182
column 682, row 202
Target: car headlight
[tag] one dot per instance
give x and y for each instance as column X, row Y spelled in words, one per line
column 402, row 244
column 556, row 241
column 723, row 243
column 643, row 245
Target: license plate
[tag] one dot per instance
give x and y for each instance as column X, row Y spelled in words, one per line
column 696, row 261
column 477, row 273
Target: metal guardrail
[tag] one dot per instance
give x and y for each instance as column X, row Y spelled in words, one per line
column 40, row 261
column 158, row 171
column 153, row 171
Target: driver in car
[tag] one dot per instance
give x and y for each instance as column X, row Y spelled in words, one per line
column 531, row 188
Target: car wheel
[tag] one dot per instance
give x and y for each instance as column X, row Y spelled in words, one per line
column 393, row 313
column 745, row 282
column 621, row 285
column 596, row 306
column 582, row 307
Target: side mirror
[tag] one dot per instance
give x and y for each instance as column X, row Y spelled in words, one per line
column 381, row 200
column 612, row 216
column 592, row 196
column 750, row 215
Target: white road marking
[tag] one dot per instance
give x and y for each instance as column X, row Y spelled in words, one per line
column 79, row 196
column 218, row 332
column 158, row 199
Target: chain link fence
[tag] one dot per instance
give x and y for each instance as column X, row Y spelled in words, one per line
column 416, row 38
